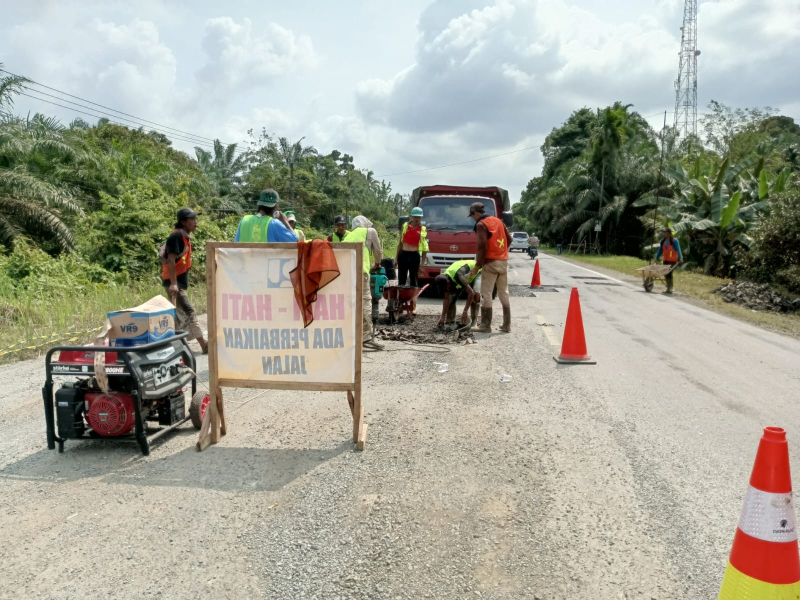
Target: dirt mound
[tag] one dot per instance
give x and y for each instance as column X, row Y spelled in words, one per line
column 758, row 296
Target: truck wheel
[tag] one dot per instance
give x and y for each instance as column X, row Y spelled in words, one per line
column 197, row 408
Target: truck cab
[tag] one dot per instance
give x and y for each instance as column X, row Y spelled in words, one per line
column 451, row 231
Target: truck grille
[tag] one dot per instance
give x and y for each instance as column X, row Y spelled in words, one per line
column 445, row 260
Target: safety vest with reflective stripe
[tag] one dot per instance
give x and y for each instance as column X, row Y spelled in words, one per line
column 456, row 266
column 497, row 248
column 359, row 234
column 669, row 253
column 254, row 229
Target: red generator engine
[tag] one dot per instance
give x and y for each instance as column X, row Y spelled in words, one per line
column 145, row 385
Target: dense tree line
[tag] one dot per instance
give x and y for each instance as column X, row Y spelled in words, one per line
column 98, row 200
column 721, row 192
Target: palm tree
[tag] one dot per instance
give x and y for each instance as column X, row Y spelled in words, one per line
column 223, row 168
column 32, row 199
column 9, row 87
column 607, row 140
column 294, row 153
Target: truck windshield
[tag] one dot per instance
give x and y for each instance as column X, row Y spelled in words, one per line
column 449, row 213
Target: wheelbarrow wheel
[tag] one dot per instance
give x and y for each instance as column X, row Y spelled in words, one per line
column 648, row 284
column 197, row 408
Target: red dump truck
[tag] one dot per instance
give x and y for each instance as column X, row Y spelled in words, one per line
column 451, row 235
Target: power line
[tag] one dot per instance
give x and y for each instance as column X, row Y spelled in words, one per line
column 459, row 163
column 103, row 106
column 102, row 116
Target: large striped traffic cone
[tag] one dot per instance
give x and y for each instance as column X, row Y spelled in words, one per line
column 764, row 562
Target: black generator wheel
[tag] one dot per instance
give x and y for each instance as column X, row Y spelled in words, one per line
column 197, row 408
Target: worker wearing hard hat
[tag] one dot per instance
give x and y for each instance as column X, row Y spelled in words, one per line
column 292, row 218
column 412, row 248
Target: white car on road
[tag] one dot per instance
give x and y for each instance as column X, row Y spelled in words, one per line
column 519, row 241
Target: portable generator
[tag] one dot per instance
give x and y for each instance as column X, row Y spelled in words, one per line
column 145, row 384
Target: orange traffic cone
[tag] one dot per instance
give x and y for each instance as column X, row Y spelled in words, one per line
column 573, row 347
column 536, row 281
column 764, row 561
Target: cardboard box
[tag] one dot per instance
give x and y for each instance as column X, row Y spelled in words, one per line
column 151, row 322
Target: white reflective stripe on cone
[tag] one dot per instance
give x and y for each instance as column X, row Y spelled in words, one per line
column 769, row 517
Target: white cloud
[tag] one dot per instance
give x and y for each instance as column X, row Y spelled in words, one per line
column 496, row 73
column 127, row 65
column 239, row 54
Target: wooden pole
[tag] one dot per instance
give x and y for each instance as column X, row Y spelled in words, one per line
column 358, row 415
column 658, row 187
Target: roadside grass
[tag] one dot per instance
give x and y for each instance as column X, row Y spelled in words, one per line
column 698, row 286
column 38, row 320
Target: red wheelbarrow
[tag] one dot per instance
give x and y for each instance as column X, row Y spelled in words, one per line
column 400, row 300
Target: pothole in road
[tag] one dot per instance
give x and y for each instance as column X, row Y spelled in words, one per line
column 526, row 291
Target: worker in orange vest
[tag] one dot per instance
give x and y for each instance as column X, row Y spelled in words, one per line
column 494, row 239
column 670, row 249
column 176, row 261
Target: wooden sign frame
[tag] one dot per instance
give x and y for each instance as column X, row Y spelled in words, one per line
column 214, row 425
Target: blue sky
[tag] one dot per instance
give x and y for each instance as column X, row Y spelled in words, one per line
column 399, row 85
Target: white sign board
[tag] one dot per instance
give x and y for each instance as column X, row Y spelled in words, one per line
column 260, row 333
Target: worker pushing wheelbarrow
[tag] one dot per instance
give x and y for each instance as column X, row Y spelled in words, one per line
column 670, row 250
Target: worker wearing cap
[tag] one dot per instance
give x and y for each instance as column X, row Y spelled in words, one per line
column 455, row 281
column 494, row 239
column 364, row 233
column 670, row 249
column 292, row 218
column 268, row 224
column 340, row 229
column 177, row 259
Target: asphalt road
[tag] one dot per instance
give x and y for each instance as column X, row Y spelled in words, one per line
column 619, row 480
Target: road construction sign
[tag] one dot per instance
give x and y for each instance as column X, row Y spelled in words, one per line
column 257, row 337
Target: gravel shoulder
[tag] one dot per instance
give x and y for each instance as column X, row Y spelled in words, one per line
column 564, row 483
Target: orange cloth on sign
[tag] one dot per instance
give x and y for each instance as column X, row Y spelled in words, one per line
column 316, row 268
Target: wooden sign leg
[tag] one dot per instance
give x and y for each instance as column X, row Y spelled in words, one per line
column 351, row 401
column 223, row 428
column 214, row 410
column 359, row 427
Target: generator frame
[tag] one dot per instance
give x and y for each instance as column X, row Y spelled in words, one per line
column 134, row 370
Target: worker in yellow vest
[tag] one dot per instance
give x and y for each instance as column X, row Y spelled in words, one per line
column 268, row 224
column 373, row 253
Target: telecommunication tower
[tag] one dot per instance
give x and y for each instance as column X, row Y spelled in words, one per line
column 686, row 84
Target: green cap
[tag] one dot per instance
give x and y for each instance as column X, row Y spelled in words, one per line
column 416, row 212
column 268, row 198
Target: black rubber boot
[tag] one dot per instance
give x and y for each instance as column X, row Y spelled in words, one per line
column 506, row 326
column 486, row 321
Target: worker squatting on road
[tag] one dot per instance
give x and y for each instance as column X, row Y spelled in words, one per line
column 412, row 248
column 373, row 253
column 176, row 260
column 453, row 283
column 494, row 239
column 268, row 224
column 670, row 249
